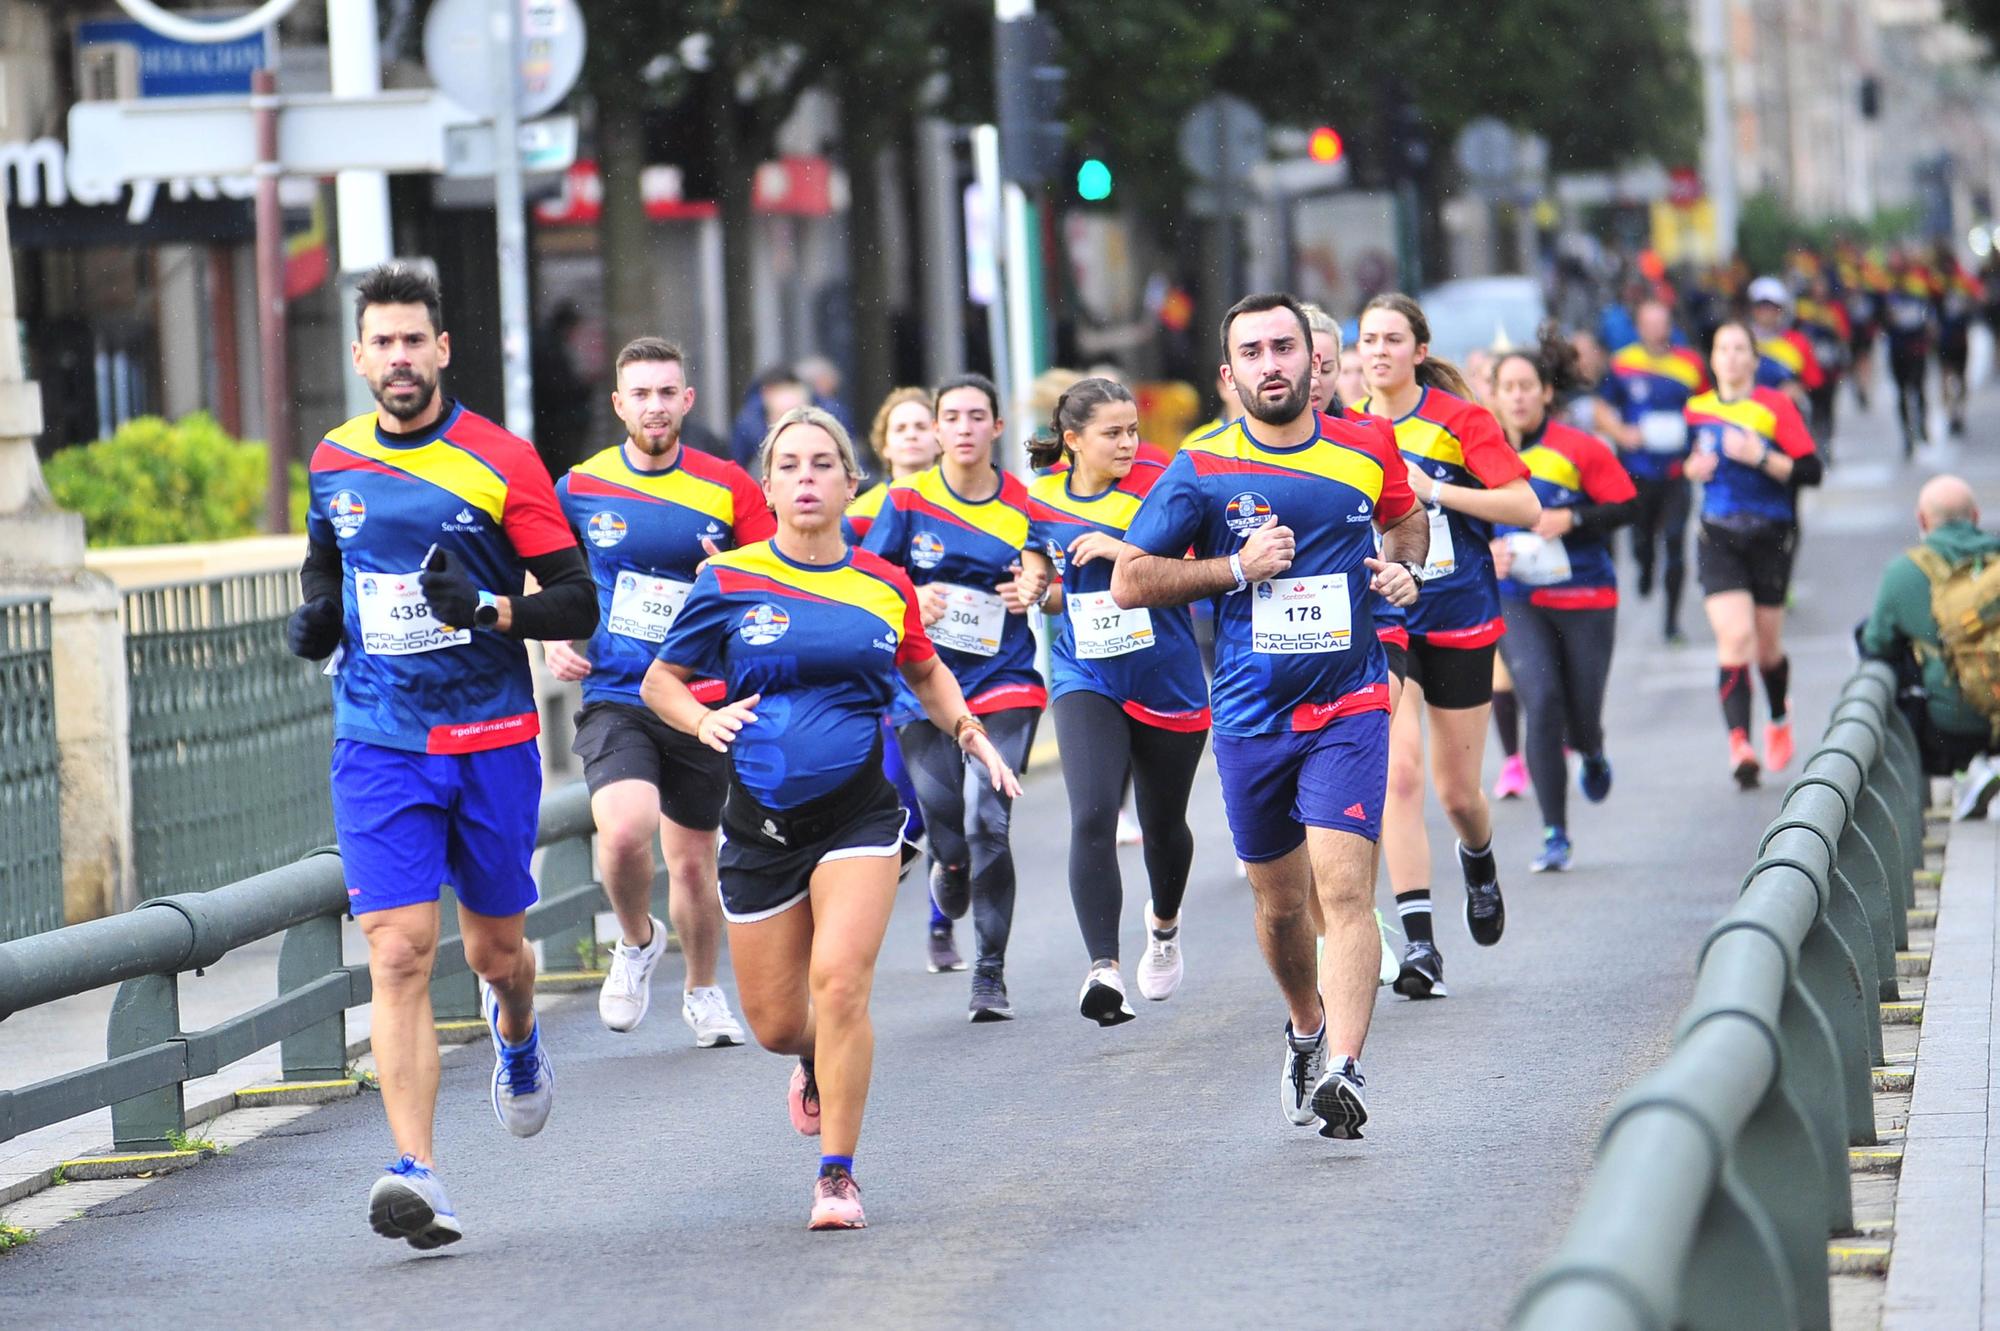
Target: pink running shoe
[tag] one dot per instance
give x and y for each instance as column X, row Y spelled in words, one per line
column 802, row 1098
column 836, row 1202
column 1513, row 782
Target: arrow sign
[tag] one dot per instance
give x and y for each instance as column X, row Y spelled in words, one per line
column 115, row 143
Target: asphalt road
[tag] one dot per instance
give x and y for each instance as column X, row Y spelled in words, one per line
column 1046, row 1172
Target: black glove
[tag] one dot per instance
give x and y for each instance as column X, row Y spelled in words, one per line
column 313, row 631
column 453, row 600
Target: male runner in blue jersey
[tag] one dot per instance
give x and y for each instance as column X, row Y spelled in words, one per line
column 423, row 520
column 1280, row 510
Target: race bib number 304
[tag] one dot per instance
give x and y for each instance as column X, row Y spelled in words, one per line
column 643, row 606
column 1289, row 616
column 973, row 621
column 1101, row 629
column 395, row 619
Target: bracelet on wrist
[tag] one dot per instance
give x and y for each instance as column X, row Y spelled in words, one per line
column 964, row 723
column 1236, row 571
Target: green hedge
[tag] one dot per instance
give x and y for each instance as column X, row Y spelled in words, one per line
column 160, row 482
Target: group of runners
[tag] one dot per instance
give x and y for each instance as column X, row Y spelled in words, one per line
column 791, row 681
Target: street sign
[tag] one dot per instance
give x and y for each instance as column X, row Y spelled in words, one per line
column 123, row 58
column 112, row 143
column 1485, row 152
column 458, row 37
column 1221, row 139
column 546, row 145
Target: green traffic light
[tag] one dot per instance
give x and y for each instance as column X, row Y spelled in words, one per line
column 1093, row 181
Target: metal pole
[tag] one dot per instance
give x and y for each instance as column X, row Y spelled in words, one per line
column 1718, row 140
column 986, row 171
column 511, row 221
column 943, row 256
column 1018, row 271
column 361, row 197
column 271, row 303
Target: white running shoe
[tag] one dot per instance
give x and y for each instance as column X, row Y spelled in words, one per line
column 1392, row 962
column 706, row 1011
column 1975, row 790
column 628, row 988
column 1159, row 972
column 524, row 1081
column 1103, row 997
column 1128, row 830
column 1299, row 1075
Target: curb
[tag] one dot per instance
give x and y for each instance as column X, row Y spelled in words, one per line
column 140, row 1164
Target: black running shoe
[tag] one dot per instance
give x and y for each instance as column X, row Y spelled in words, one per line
column 989, row 996
column 1337, row 1101
column 1485, row 910
column 951, row 889
column 1422, row 975
column 943, row 955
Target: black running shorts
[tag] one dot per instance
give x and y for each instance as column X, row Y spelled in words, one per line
column 1451, row 677
column 765, row 869
column 619, row 742
column 1755, row 559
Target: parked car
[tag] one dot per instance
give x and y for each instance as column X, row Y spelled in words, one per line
column 1490, row 312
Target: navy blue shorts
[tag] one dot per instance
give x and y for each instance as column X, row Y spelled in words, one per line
column 1275, row 786
column 409, row 822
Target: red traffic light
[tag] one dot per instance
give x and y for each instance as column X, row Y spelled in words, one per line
column 1324, row 145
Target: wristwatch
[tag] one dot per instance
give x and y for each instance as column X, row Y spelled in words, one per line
column 1416, row 570
column 488, row 613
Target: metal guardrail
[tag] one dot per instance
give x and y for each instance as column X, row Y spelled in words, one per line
column 1721, row 1176
column 145, row 950
column 229, row 733
column 31, row 887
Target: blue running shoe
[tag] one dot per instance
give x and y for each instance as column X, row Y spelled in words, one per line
column 1594, row 777
column 408, row 1202
column 524, row 1082
column 1555, row 852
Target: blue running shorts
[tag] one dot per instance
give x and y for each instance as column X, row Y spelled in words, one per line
column 409, row 822
column 1275, row 786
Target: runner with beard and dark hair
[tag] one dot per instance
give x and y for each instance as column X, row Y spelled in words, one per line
column 423, row 522
column 649, row 511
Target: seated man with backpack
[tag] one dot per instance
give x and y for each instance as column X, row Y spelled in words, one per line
column 1937, row 620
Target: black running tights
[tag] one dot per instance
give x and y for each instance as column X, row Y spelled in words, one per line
column 1100, row 746
column 967, row 820
column 1561, row 660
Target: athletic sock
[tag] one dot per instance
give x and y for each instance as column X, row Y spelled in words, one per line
column 1478, row 865
column 1167, row 934
column 1414, row 911
column 1507, row 720
column 1733, row 683
column 1309, row 1039
column 1778, row 683
column 829, row 1163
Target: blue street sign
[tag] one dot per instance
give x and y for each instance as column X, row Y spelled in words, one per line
column 167, row 68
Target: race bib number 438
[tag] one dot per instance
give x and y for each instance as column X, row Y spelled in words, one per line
column 1289, row 616
column 395, row 618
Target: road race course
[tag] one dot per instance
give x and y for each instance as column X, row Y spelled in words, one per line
column 1047, row 1172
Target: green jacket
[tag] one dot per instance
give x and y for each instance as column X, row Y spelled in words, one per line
column 1902, row 617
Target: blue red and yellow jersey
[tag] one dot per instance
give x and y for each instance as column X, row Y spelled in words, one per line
column 1298, row 650
column 1828, row 328
column 1392, row 623
column 481, row 495
column 1146, row 661
column 1567, row 467
column 1737, row 491
column 643, row 533
column 970, row 548
column 1459, row 443
column 1650, row 392
column 820, row 644
column 861, row 513
column 1907, row 315
column 1788, row 357
column 1958, row 302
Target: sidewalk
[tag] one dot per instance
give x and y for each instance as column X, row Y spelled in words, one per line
column 1944, row 1274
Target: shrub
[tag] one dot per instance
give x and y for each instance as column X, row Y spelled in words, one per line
column 162, row 482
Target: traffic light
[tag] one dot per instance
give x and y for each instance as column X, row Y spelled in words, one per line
column 1093, row 180
column 1324, row 145
column 1030, row 82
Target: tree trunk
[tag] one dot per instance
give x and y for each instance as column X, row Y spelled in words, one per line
column 866, row 140
column 631, row 282
column 733, row 195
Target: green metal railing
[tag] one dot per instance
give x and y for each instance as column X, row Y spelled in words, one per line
column 1721, row 1176
column 230, row 733
column 145, row 951
column 31, row 889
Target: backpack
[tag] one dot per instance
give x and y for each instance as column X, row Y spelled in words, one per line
column 1965, row 601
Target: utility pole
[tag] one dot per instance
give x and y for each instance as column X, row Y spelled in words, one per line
column 271, row 341
column 1029, row 87
column 510, row 220
column 1718, row 138
column 361, row 197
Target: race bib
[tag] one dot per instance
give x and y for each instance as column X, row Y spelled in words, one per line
column 973, row 620
column 643, row 606
column 1538, row 562
column 1442, row 560
column 1291, row 616
column 1101, row 629
column 1663, row 432
column 396, row 621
